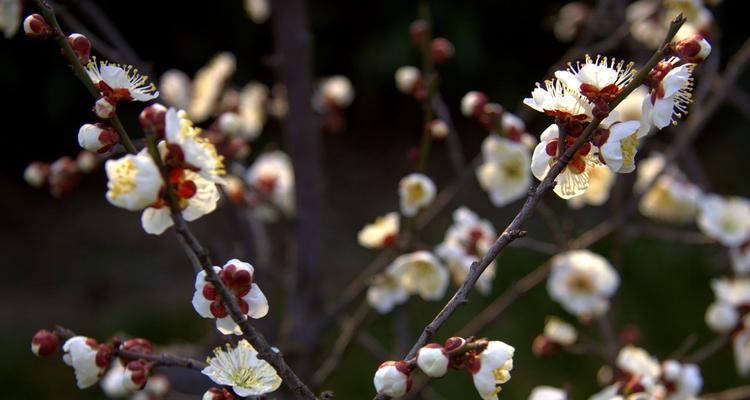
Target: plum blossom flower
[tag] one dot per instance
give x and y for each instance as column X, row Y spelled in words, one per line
column 740, row 257
column 97, row 138
column 573, row 180
column 420, row 273
column 560, row 332
column 237, row 276
column 382, row 233
column 188, row 149
column 407, row 78
column 88, row 358
column 726, row 219
column 258, row 10
column 120, row 83
column 251, row 110
column 416, row 191
column 215, row 393
column 491, row 368
column 683, row 381
column 433, row 360
column 601, row 179
column 505, row 172
column 559, row 100
column 393, row 379
column 240, row 368
column 175, row 88
column 639, row 363
column 582, row 282
column 670, row 94
column 672, row 198
column 208, row 85
column 45, row 343
column 385, row 292
column 724, row 314
column 599, row 78
column 466, row 240
column 335, row 91
column 619, row 149
column 134, row 181
column 272, row 174
column 547, row 393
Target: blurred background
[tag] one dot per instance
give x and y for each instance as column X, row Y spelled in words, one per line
column 81, row 263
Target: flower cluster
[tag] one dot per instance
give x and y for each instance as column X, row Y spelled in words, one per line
column 62, row 175
column 489, row 363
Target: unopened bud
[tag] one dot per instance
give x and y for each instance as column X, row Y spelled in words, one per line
column 81, row 46
column 454, row 342
column 543, row 347
column 491, row 116
column 136, row 375
column 217, row 394
column 438, row 129
column 441, row 50
column 693, row 49
column 418, row 31
column 393, row 379
column 230, row 123
column 407, row 79
column 104, row 108
column 152, row 120
column 472, row 104
column 433, row 360
column 45, row 343
column 137, row 345
column 98, row 138
column 63, row 176
column 36, row 27
column 36, row 174
column 86, row 161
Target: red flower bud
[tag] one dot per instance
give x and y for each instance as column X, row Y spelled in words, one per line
column 441, row 50
column 36, row 27
column 45, row 343
column 81, row 47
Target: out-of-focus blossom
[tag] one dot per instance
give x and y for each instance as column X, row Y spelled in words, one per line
column 726, row 219
column 548, row 393
column 416, row 191
column 672, row 198
column 237, row 277
column 505, row 172
column 381, row 233
column 569, row 20
column 175, row 88
column 601, row 179
column 631, row 108
column 740, row 256
column 407, row 79
column 36, row 174
column 741, row 347
column 10, row 17
column 240, row 368
column 582, row 282
column 272, row 175
column 258, row 10
column 682, row 381
column 334, row 92
column 208, row 85
column 420, row 273
column 732, row 296
column 473, row 103
column 560, row 332
column 385, row 292
column 639, row 363
column 88, row 358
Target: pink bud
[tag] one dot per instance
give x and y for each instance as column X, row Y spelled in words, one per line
column 81, row 46
column 407, row 79
column 152, row 120
column 441, row 50
column 45, row 343
column 137, row 345
column 104, row 108
column 454, row 342
column 98, row 138
column 36, row 27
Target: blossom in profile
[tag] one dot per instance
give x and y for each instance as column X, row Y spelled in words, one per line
column 725, row 219
column 557, row 99
column 420, row 273
column 491, row 368
column 465, row 242
column 208, row 85
column 601, row 179
column 681, row 381
column 670, row 95
column 582, row 282
column 574, row 179
column 393, row 379
column 381, row 233
column 237, row 277
column 618, row 143
column 671, row 198
column 334, row 92
column 560, row 332
column 97, row 138
column 251, row 110
column 407, row 79
column 188, row 149
column 416, row 191
column 88, row 358
column 505, row 172
column 240, row 368
column 548, row 393
column 120, row 83
column 134, row 181
column 272, row 175
column 386, row 292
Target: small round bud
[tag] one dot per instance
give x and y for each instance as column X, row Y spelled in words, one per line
column 441, row 50
column 454, row 342
column 722, row 317
column 36, row 27
column 230, row 123
column 45, row 343
column 393, row 379
column 433, row 360
column 693, row 49
column 104, row 108
column 473, row 103
column 542, row 346
column 136, row 375
column 137, row 345
column 217, row 394
column 152, row 120
column 438, row 129
column 81, row 46
column 86, row 161
column 407, row 79
column 98, row 138
column 491, row 116
column 560, row 332
column 36, row 174
column 337, row 91
column 418, row 31
column 63, row 176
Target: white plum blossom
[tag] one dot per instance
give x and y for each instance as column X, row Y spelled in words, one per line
column 597, row 77
column 465, row 242
column 639, row 363
column 175, row 88
column 671, row 198
column 558, row 99
column 237, row 277
column 258, row 10
column 393, row 379
column 134, row 181
column 740, row 257
column 88, row 359
column 272, row 175
column 573, row 180
column 198, row 197
column 741, row 348
column 726, row 219
column 560, row 332
column 582, row 282
column 433, row 360
column 240, row 368
column 731, row 294
column 669, row 100
column 722, row 317
column 195, row 151
column 684, row 380
column 208, row 85
column 492, row 368
column 505, row 172
column 334, row 91
column 251, row 110
column 618, row 152
column 120, row 83
column 420, row 273
column 385, row 292
column 601, row 179
column 381, row 233
column 547, row 393
column 407, row 78
column 111, row 383
column 416, row 192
